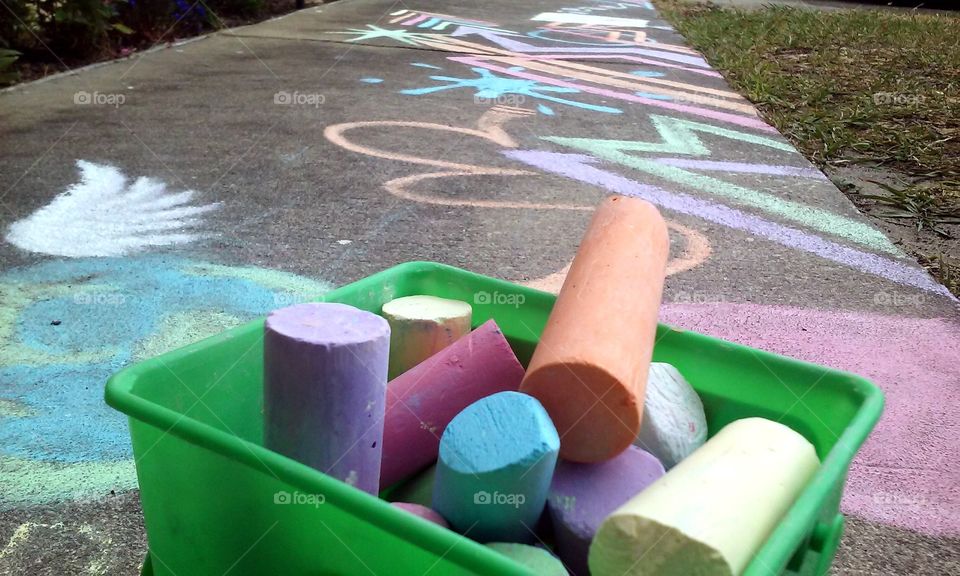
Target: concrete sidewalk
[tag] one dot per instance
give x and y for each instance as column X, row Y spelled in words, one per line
column 213, row 179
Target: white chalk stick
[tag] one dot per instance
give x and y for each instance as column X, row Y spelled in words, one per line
column 712, row 512
column 674, row 424
column 421, row 326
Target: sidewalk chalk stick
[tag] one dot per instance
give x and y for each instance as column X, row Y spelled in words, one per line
column 423, row 400
column 496, row 461
column 674, row 424
column 416, row 490
column 712, row 512
column 583, row 495
column 423, row 512
column 538, row 560
column 421, row 326
column 324, row 389
column 590, row 368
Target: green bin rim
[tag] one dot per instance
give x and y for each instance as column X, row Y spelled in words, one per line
column 789, row 535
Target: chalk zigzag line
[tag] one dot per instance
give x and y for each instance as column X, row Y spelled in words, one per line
column 581, row 167
column 577, row 167
column 679, row 136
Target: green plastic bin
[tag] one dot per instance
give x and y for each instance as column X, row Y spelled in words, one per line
column 213, row 499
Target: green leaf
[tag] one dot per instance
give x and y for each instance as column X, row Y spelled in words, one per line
column 122, row 28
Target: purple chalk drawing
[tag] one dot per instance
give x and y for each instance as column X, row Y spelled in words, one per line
column 580, row 167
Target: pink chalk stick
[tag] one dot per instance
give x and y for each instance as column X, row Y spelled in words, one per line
column 582, row 495
column 423, row 400
column 423, row 512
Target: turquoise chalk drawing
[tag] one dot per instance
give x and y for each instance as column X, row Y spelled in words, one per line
column 489, row 86
column 67, row 325
column 678, row 136
column 654, row 96
column 373, row 32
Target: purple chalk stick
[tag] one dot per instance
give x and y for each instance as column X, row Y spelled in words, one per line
column 582, row 495
column 423, row 512
column 324, row 389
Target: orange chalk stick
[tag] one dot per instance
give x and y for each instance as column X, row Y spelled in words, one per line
column 590, row 368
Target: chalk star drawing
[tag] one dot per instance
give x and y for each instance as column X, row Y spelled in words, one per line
column 372, row 32
column 102, row 216
column 69, row 324
column 488, row 85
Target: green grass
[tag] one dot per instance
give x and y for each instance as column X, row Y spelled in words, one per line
column 869, row 87
column 845, row 86
column 927, row 206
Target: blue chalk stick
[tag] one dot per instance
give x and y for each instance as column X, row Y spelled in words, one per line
column 496, row 460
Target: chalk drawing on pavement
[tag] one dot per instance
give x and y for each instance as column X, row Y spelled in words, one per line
column 68, row 325
column 438, row 22
column 374, row 32
column 514, row 64
column 592, row 20
column 103, row 215
column 606, row 7
column 491, row 127
column 694, row 252
column 491, row 87
column 679, row 136
column 647, row 52
column 588, row 170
